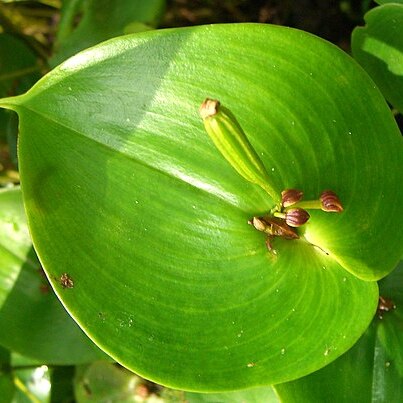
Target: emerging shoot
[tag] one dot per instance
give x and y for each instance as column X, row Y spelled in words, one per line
column 229, row 138
column 290, row 197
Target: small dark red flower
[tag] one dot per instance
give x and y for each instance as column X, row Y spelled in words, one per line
column 330, row 202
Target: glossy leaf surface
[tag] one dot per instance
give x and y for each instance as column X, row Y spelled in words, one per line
column 150, row 222
column 378, row 47
column 32, row 320
column 372, row 371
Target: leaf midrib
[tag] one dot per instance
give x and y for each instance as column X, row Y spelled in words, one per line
column 132, row 158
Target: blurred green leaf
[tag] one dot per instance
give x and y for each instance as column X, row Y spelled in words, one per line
column 390, row 330
column 127, row 195
column 32, row 320
column 61, row 379
column 18, row 66
column 372, row 371
column 15, row 242
column 7, row 388
column 8, row 148
column 137, row 27
column 86, row 23
column 12, row 137
column 105, row 382
column 346, row 380
column 378, row 47
column 32, row 380
column 388, row 1
column 257, row 395
column 19, row 70
column 54, row 3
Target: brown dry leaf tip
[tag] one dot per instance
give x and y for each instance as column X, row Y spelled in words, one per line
column 258, row 223
column 290, row 197
column 209, row 107
column 66, row 281
column 295, row 217
column 330, row 202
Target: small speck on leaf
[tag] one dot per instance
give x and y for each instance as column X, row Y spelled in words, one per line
column 66, row 281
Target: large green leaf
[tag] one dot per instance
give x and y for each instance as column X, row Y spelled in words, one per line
column 32, row 320
column 372, row 371
column 379, row 48
column 127, row 195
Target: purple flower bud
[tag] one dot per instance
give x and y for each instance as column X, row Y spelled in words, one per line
column 330, row 202
column 290, row 197
column 295, row 217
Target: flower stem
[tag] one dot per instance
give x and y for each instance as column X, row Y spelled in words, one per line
column 309, row 204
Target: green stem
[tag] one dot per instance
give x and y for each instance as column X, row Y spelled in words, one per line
column 20, row 385
column 279, row 215
column 10, row 103
column 66, row 25
column 308, row 204
column 233, row 144
column 271, row 192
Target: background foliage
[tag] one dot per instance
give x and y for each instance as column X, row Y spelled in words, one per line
column 41, row 34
